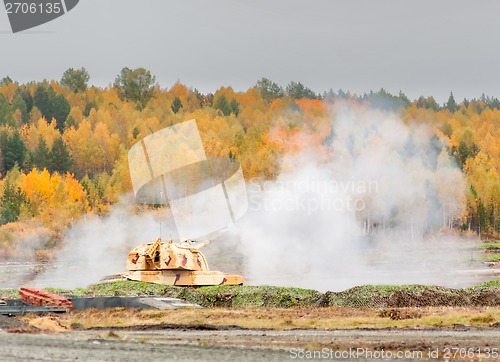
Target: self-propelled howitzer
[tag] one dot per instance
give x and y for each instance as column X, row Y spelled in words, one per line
column 181, row 264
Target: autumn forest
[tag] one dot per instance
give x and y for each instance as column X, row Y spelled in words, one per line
column 63, row 144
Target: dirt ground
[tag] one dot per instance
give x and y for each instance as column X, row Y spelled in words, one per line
column 218, row 335
column 334, row 340
column 252, row 345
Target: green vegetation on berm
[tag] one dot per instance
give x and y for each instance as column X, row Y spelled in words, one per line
column 367, row 296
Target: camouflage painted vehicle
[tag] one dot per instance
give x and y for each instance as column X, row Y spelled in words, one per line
column 170, row 263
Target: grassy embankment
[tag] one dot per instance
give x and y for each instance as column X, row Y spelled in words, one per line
column 367, row 296
column 410, row 306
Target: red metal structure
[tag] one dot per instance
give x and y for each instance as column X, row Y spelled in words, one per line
column 42, row 297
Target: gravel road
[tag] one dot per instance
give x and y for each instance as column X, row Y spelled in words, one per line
column 71, row 347
column 249, row 345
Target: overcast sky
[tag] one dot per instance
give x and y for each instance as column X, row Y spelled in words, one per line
column 420, row 47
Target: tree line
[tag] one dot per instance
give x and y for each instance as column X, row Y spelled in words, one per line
column 63, row 144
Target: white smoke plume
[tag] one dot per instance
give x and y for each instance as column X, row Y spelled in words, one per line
column 370, row 214
column 97, row 247
column 29, row 238
column 374, row 210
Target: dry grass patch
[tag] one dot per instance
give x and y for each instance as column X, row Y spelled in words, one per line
column 285, row 318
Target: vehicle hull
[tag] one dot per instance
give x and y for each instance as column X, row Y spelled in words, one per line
column 184, row 277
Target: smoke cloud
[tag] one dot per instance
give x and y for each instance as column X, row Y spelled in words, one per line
column 97, row 247
column 374, row 211
column 371, row 205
